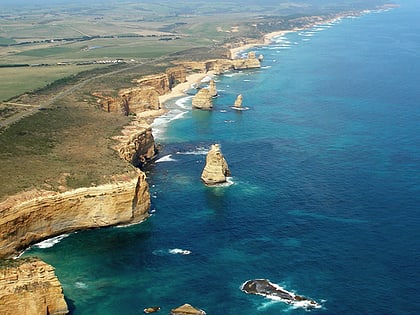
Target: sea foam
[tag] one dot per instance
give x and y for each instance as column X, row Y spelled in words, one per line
column 51, row 241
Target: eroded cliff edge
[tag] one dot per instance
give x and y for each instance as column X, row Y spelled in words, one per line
column 29, row 221
column 29, row 286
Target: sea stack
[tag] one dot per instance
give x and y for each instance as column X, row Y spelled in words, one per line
column 202, row 100
column 212, row 88
column 216, row 169
column 238, row 101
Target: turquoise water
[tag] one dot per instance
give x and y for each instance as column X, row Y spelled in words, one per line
column 324, row 196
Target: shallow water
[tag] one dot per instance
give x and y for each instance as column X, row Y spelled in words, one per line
column 324, row 195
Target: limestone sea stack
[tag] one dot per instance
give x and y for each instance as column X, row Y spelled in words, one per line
column 238, row 101
column 29, row 286
column 202, row 100
column 212, row 88
column 187, row 309
column 216, row 169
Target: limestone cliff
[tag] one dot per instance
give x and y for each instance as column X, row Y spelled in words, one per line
column 130, row 101
column 160, row 82
column 176, row 75
column 202, row 100
column 222, row 65
column 139, row 99
column 30, row 287
column 216, row 169
column 137, row 144
column 36, row 219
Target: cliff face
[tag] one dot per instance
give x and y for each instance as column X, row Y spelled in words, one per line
column 31, row 221
column 160, row 82
column 216, row 169
column 130, row 101
column 176, row 75
column 222, row 65
column 202, row 99
column 137, row 145
column 30, row 287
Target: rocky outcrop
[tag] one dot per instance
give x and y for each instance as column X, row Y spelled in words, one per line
column 145, row 96
column 223, row 65
column 130, row 101
column 176, row 75
column 30, row 287
column 216, row 169
column 212, row 88
column 39, row 218
column 250, row 62
column 265, row 288
column 137, row 144
column 139, row 99
column 160, row 82
column 238, row 101
column 187, row 309
column 203, row 99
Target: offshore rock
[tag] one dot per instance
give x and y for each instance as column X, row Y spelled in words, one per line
column 212, row 88
column 265, row 288
column 238, row 101
column 187, row 309
column 38, row 218
column 29, row 286
column 216, row 169
column 203, row 99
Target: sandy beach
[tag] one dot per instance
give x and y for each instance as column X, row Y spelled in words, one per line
column 179, row 90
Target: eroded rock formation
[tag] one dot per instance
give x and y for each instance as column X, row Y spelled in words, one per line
column 137, row 144
column 176, row 75
column 187, row 309
column 238, row 101
column 222, row 65
column 160, row 82
column 34, row 220
column 203, row 99
column 212, row 88
column 29, row 286
column 265, row 288
column 216, row 169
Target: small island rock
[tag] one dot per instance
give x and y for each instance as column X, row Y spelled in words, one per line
column 202, row 100
column 187, row 309
column 216, row 169
column 238, row 101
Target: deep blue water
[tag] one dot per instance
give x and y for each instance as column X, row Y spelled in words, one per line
column 325, row 199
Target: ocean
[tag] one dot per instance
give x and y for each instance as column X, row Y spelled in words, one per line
column 324, row 198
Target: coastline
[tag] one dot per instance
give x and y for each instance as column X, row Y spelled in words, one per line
column 179, row 89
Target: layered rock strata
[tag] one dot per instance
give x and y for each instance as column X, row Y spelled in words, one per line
column 223, row 65
column 137, row 144
column 30, row 287
column 203, row 99
column 187, row 309
column 36, row 219
column 216, row 169
column 144, row 96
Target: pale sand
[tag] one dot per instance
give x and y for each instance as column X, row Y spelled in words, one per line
column 181, row 88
